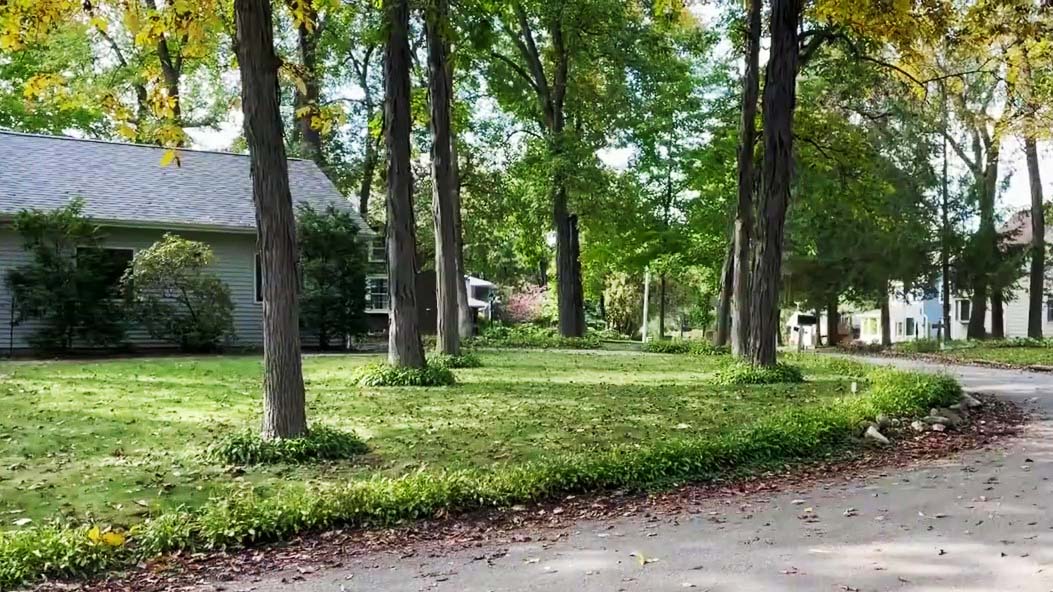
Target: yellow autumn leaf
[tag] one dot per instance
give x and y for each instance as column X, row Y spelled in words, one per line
column 169, row 157
column 95, row 535
column 113, row 539
column 100, row 24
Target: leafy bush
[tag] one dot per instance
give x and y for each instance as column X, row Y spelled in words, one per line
column 533, row 337
column 860, row 347
column 246, row 516
column 918, row 346
column 1017, row 342
column 176, row 298
column 684, row 346
column 738, row 373
column 524, row 305
column 382, row 374
column 320, row 443
column 71, row 285
column 334, row 264
column 463, row 360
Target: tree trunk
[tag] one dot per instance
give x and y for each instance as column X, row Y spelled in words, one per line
column 440, row 88
column 976, row 329
column 886, row 323
column 567, row 282
column 780, row 95
column 997, row 313
column 720, row 336
column 744, row 213
column 465, row 315
column 284, row 412
column 945, row 234
column 1037, row 284
column 404, row 343
column 306, row 136
column 579, row 292
column 661, row 306
column 833, row 324
column 988, row 239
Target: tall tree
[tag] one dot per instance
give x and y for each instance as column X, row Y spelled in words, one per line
column 444, row 185
column 404, row 342
column 780, row 95
column 284, row 409
column 306, row 133
column 740, row 320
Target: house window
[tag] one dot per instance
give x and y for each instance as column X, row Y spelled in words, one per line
column 899, row 328
column 258, row 279
column 964, row 310
column 1049, row 311
column 109, row 263
column 910, row 327
column 378, row 250
column 377, row 296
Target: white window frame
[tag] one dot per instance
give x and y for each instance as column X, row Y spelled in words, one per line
column 958, row 310
column 369, row 303
column 372, row 250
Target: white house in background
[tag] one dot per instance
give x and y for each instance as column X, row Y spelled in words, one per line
column 1016, row 308
column 910, row 318
column 480, row 294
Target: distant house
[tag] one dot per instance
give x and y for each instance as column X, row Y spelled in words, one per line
column 207, row 198
column 911, row 317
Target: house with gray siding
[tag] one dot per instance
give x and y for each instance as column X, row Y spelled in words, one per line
column 207, row 197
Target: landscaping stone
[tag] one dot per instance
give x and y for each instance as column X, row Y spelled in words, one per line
column 872, row 433
column 970, row 402
column 918, row 426
column 939, row 427
column 953, row 418
column 933, row 419
column 882, row 421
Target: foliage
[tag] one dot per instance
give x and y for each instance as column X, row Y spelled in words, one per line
column 173, row 293
column 684, row 346
column 334, row 264
column 462, row 360
column 387, row 375
column 320, row 443
column 623, row 301
column 531, row 336
column 745, row 373
column 246, row 515
column 524, row 305
column 69, row 286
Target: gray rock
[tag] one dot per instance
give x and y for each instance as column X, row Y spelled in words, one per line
column 931, row 419
column 970, row 402
column 872, row 433
column 939, row 427
column 882, row 421
column 953, row 418
column 918, row 426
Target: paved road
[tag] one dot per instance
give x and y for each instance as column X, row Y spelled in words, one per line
column 979, row 523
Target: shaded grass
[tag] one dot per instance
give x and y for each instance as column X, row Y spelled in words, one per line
column 113, row 440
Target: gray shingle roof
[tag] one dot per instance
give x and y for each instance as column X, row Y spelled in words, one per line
column 125, row 183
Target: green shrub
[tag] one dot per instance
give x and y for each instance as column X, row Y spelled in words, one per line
column 684, row 346
column 738, row 373
column 532, row 337
column 246, row 516
column 173, row 293
column 918, row 346
column 1017, row 342
column 321, row 443
column 462, row 360
column 383, row 374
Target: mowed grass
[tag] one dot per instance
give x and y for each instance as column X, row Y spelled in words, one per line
column 109, row 440
column 1016, row 356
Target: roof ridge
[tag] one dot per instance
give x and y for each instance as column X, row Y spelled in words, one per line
column 130, row 144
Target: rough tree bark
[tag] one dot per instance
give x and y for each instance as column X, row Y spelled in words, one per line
column 780, row 97
column 371, row 143
column 1037, row 285
column 465, row 316
column 404, row 343
column 723, row 329
column 833, row 322
column 284, row 413
column 945, row 232
column 997, row 313
column 744, row 212
column 440, row 89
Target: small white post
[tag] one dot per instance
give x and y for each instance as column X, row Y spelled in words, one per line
column 646, row 302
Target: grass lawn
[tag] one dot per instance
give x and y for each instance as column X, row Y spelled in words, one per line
column 108, row 439
column 1016, row 356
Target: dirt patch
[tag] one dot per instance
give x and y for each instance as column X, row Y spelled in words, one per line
column 993, row 424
